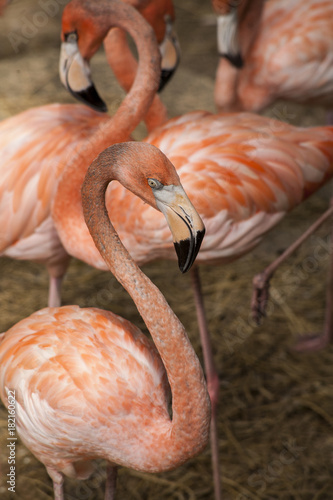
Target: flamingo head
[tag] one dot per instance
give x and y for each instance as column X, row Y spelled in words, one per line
column 161, row 16
column 227, row 31
column 82, row 33
column 170, row 52
column 146, row 171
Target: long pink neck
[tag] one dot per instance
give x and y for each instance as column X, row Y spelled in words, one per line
column 138, row 100
column 189, row 428
column 104, row 132
column 124, row 66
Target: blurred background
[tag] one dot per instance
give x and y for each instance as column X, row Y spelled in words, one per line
column 275, row 406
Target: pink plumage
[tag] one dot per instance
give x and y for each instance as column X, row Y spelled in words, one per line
column 290, row 58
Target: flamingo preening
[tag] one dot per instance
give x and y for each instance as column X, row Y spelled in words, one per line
column 88, row 384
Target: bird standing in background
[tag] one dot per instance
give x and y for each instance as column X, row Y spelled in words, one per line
column 87, row 383
column 244, row 171
column 38, row 144
column 287, row 54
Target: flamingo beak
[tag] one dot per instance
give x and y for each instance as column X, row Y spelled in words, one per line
column 76, row 77
column 184, row 222
column 227, row 38
column 170, row 52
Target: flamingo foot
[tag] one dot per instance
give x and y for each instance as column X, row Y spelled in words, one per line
column 311, row 343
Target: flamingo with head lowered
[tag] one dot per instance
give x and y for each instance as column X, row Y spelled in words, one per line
column 38, row 144
column 287, row 50
column 87, row 383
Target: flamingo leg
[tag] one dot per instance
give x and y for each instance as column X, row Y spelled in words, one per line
column 111, row 479
column 58, row 483
column 54, row 299
column 56, row 276
column 317, row 342
column 211, row 377
column 260, row 293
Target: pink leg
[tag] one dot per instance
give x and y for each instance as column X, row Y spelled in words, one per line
column 55, row 292
column 261, row 291
column 211, row 376
column 317, row 342
column 56, row 276
column 58, row 484
column 110, row 485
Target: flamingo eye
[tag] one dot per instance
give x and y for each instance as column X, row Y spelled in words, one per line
column 155, row 184
column 71, row 37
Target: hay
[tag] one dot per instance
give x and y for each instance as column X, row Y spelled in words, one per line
column 275, row 406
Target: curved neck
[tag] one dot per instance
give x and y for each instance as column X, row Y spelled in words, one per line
column 104, row 130
column 138, row 100
column 189, row 428
column 124, row 66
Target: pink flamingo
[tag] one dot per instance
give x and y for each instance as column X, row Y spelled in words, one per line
column 243, row 170
column 87, row 383
column 288, row 55
column 37, row 145
column 245, row 173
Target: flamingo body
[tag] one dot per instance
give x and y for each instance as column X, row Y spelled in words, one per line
column 243, row 171
column 291, row 58
column 76, row 371
column 36, row 146
column 87, row 383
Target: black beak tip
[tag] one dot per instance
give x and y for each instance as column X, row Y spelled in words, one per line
column 187, row 251
column 235, row 59
column 90, row 97
column 166, row 75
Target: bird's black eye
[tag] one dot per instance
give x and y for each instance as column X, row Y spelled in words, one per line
column 155, row 184
column 71, row 37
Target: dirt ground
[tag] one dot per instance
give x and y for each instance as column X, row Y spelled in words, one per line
column 275, row 406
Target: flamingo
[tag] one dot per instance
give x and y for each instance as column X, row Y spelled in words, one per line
column 161, row 16
column 87, row 383
column 244, row 171
column 288, row 55
column 37, row 145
